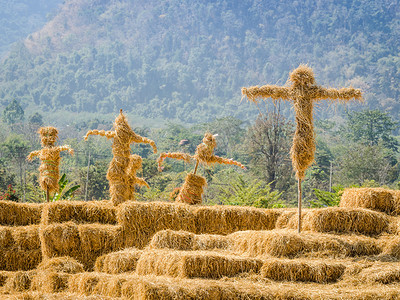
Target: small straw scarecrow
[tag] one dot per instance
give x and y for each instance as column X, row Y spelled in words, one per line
column 135, row 164
column 303, row 92
column 50, row 160
column 122, row 163
column 192, row 189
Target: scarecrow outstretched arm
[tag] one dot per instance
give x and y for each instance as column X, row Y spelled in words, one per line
column 175, row 155
column 343, row 94
column 66, row 148
column 108, row 134
column 33, row 154
column 266, row 91
column 220, row 160
column 141, row 182
column 139, row 139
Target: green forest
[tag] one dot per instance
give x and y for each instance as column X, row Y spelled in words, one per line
column 176, row 68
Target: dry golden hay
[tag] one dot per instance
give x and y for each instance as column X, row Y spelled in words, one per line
column 142, row 220
column 290, row 219
column 391, row 246
column 118, row 262
column 372, row 198
column 192, row 189
column 79, row 212
column 123, row 136
column 50, row 159
column 19, row 281
column 14, row 259
column 346, row 220
column 195, row 264
column 135, row 164
column 288, row 243
column 63, row 264
column 175, row 155
column 37, row 295
column 183, row 240
column 227, row 219
column 19, row 214
column 303, row 92
column 302, row 270
column 381, row 273
column 83, row 283
column 50, row 282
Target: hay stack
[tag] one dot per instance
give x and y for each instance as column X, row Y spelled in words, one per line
column 228, row 219
column 183, row 240
column 194, row 264
column 19, row 214
column 118, row 262
column 302, row 270
column 192, row 189
column 346, row 220
column 18, row 281
column 378, row 199
column 141, row 221
column 79, row 212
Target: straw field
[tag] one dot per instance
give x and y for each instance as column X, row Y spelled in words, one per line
column 159, row 250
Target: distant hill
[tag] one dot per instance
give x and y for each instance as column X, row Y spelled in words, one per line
column 187, row 60
column 18, row 18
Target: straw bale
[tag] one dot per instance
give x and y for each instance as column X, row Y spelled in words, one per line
column 118, row 262
column 284, row 218
column 79, row 212
column 192, row 264
column 346, row 220
column 381, row 273
column 19, row 281
column 83, row 283
column 4, row 276
column 19, row 214
column 6, row 238
column 396, row 201
column 14, row 259
column 290, row 219
column 142, row 220
column 288, row 243
column 302, row 270
column 372, row 198
column 192, row 189
column 50, row 282
column 391, row 246
column 26, row 237
column 228, row 219
column 37, row 295
column 183, row 240
column 63, row 264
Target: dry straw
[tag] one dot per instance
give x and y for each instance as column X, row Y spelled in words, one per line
column 381, row 273
column 19, row 214
column 192, row 189
column 303, row 92
column 79, row 212
column 19, row 281
column 123, row 136
column 50, row 160
column 183, row 240
column 194, row 264
column 118, row 262
column 302, row 270
column 135, row 164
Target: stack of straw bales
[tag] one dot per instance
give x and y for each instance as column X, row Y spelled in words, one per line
column 19, row 214
column 195, row 264
column 118, row 262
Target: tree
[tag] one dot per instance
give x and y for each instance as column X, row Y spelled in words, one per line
column 13, row 113
column 371, row 127
column 268, row 142
column 36, row 119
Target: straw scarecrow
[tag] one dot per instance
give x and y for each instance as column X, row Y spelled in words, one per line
column 50, row 160
column 135, row 164
column 193, row 187
column 303, row 92
column 122, row 163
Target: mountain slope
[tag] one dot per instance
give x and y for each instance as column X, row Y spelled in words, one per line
column 188, row 61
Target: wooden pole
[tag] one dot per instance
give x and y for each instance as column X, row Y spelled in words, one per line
column 47, row 195
column 299, row 204
column 87, row 177
column 195, row 169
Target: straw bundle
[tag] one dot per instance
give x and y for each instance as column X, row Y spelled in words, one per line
column 83, row 283
column 25, row 237
column 175, row 155
column 79, row 212
column 63, row 264
column 141, row 221
column 183, row 240
column 284, row 218
column 52, row 296
column 19, row 214
column 192, row 189
column 19, row 281
column 50, row 159
column 123, row 136
column 227, row 219
column 372, row 198
column 135, row 164
column 346, row 220
column 302, row 270
column 50, row 281
column 396, row 202
column 14, row 259
column 118, row 262
column 192, row 264
column 391, row 246
column 381, row 273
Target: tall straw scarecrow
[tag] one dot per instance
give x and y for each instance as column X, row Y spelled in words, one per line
column 50, row 160
column 123, row 136
column 193, row 187
column 303, row 92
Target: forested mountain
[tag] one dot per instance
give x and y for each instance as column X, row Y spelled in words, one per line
column 187, row 60
column 18, row 18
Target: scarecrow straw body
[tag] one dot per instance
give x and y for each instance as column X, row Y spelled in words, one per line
column 123, row 136
column 50, row 159
column 135, row 164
